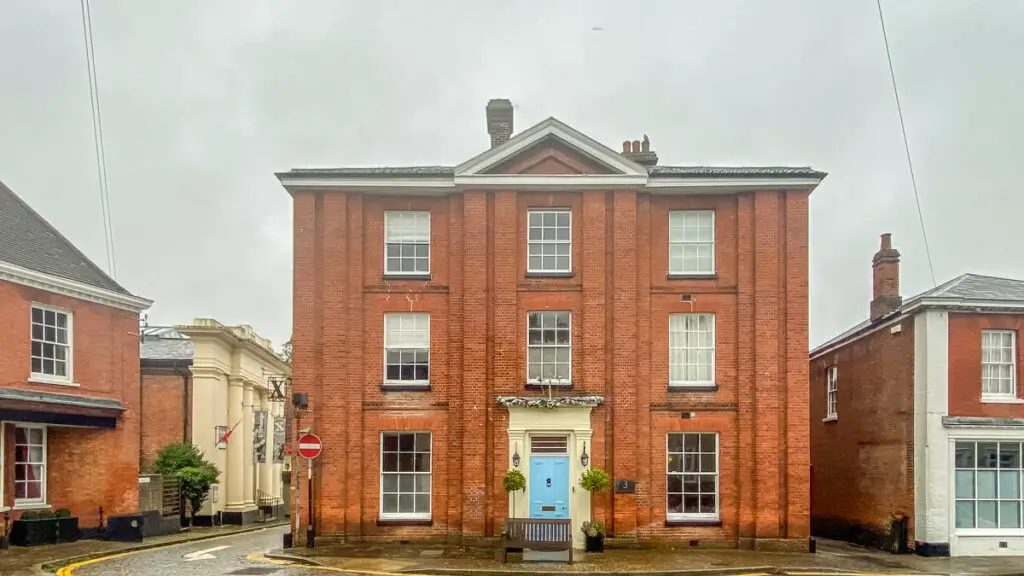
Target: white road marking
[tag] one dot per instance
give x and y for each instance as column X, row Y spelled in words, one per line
column 203, row 554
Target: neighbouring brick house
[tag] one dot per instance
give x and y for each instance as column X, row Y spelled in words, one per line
column 917, row 412
column 69, row 375
column 664, row 308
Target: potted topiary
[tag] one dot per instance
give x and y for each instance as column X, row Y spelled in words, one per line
column 513, row 482
column 594, row 480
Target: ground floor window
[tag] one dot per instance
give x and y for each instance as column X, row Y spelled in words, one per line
column 988, row 484
column 405, row 470
column 29, row 464
column 692, row 480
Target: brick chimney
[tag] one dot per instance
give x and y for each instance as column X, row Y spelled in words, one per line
column 499, row 121
column 886, row 271
column 640, row 152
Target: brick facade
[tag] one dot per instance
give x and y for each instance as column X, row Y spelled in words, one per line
column 619, row 295
column 166, row 406
column 86, row 468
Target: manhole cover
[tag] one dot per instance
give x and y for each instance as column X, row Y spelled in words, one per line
column 255, row 571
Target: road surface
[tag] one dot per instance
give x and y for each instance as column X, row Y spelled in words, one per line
column 217, row 557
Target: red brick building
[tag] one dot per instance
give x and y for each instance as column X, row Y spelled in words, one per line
column 69, row 375
column 917, row 413
column 664, row 309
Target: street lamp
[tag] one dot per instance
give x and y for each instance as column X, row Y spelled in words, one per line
column 515, row 456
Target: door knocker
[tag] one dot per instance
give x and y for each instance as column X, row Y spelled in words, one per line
column 549, row 482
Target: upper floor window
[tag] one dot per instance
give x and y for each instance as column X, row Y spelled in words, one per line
column 549, row 348
column 51, row 343
column 692, row 476
column 998, row 364
column 691, row 349
column 831, row 392
column 406, row 348
column 407, row 243
column 549, row 241
column 691, row 242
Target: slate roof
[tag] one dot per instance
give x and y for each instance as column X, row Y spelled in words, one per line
column 975, row 287
column 29, row 241
column 653, row 171
column 978, row 287
column 165, row 349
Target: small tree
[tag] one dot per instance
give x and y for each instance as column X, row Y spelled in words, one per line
column 595, row 480
column 194, row 472
column 286, row 351
column 513, row 482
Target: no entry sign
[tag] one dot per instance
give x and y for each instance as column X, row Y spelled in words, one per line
column 310, row 446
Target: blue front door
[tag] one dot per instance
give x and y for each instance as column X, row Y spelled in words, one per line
column 549, row 487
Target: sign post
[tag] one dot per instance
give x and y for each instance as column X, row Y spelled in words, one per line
column 309, row 448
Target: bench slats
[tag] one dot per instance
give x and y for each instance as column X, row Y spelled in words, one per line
column 542, row 534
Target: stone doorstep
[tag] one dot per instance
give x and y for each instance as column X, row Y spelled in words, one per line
column 53, row 565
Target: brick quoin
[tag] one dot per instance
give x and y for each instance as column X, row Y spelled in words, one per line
column 619, row 294
column 86, row 467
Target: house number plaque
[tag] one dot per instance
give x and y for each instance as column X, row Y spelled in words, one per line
column 625, row 486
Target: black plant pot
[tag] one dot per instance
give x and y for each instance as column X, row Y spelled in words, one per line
column 44, row 531
column 595, row 543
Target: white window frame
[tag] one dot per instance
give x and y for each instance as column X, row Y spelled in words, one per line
column 832, row 393
column 672, row 333
column 400, row 382
column 541, row 242
column 698, row 516
column 675, row 265
column 542, row 346
column 380, row 473
column 394, row 214
column 43, row 377
column 31, row 502
column 974, row 497
column 998, row 396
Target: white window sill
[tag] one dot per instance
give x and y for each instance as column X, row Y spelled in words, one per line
column 695, row 518
column 405, row 518
column 559, row 384
column 831, row 418
column 423, row 383
column 29, row 506
column 42, row 379
column 1001, row 400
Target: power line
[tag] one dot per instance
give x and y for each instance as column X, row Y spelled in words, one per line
column 97, row 136
column 906, row 143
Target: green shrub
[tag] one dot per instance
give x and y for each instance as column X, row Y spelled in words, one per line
column 45, row 515
column 62, row 513
column 30, row 515
column 595, row 480
column 593, row 528
column 195, row 473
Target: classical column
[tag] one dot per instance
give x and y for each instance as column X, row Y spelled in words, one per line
column 267, row 480
column 234, row 499
column 247, row 459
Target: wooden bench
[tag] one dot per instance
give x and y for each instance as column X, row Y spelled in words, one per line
column 540, row 534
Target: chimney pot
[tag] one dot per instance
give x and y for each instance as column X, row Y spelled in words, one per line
column 636, row 146
column 499, row 121
column 885, row 268
column 645, row 144
column 625, row 147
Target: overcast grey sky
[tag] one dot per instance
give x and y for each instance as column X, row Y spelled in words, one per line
column 204, row 100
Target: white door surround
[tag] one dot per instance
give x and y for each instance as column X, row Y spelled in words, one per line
column 571, row 419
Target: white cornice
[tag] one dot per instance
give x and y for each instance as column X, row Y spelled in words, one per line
column 72, row 288
column 550, row 182
column 726, row 185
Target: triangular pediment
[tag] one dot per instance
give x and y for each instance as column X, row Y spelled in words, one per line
column 551, row 148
